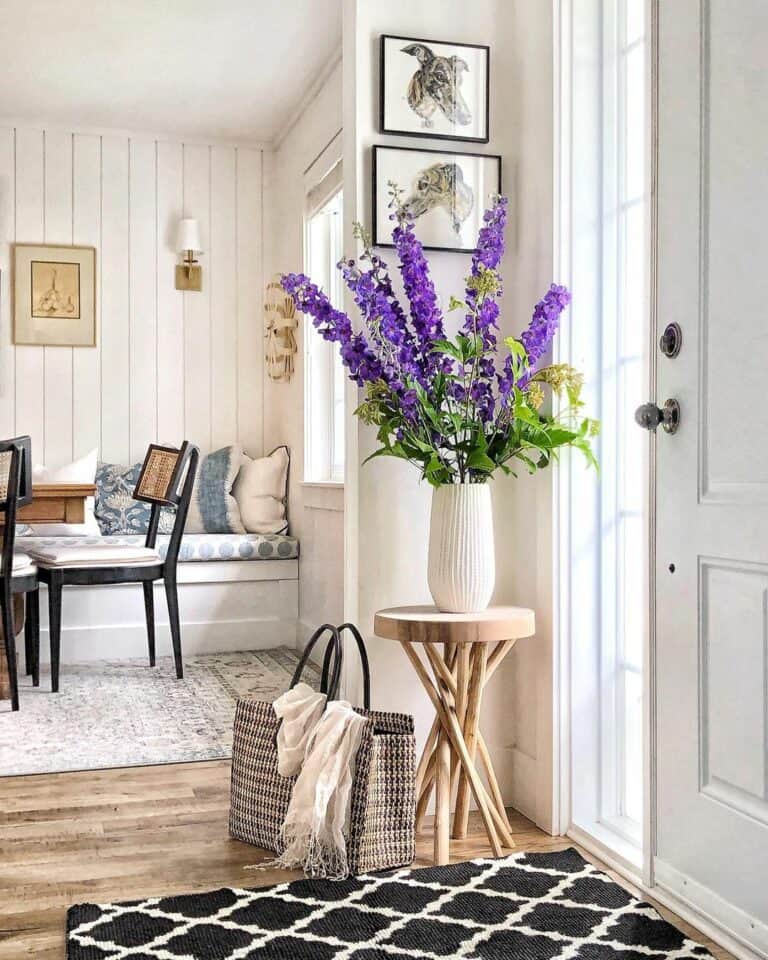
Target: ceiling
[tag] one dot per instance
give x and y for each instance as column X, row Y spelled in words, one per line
column 227, row 68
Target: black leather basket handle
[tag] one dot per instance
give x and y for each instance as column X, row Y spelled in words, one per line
column 333, row 654
column 332, row 661
column 364, row 664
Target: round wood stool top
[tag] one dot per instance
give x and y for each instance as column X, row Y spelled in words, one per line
column 425, row 624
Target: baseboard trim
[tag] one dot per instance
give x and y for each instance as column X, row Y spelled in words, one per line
column 625, row 866
column 127, row 641
column 737, row 932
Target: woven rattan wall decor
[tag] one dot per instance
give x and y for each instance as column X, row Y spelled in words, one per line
column 280, row 327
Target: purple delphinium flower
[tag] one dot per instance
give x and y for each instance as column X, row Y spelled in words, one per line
column 333, row 325
column 487, row 256
column 374, row 296
column 544, row 322
column 536, row 339
column 482, row 395
column 456, row 391
column 506, row 381
column 419, row 288
column 384, row 317
column 490, row 240
column 409, row 403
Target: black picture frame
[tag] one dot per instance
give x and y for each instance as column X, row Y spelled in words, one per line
column 430, row 134
column 379, row 149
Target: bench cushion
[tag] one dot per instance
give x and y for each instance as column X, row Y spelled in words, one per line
column 23, row 565
column 94, row 554
column 194, row 546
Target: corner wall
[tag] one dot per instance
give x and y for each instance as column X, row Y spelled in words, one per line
column 387, row 523
column 316, row 512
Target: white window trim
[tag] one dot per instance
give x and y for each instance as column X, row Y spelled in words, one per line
column 323, row 179
column 574, row 612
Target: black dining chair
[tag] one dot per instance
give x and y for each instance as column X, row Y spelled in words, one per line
column 166, row 480
column 18, row 573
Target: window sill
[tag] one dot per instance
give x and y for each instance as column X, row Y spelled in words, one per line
column 323, row 484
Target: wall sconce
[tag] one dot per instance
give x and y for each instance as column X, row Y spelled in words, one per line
column 189, row 274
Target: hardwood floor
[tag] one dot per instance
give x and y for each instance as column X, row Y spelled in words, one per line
column 143, row 831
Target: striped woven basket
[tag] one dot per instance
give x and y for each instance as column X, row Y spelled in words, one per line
column 382, row 812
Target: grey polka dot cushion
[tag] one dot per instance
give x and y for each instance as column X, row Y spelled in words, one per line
column 198, row 546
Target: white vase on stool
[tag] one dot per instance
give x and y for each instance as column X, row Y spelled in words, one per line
column 461, row 569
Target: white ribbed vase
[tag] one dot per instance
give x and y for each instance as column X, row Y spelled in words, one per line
column 462, row 568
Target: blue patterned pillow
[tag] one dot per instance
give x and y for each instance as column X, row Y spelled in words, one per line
column 116, row 510
column 213, row 508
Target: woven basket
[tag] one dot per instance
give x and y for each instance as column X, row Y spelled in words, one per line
column 382, row 811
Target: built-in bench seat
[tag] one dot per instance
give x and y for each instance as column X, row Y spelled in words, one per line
column 202, row 547
column 227, row 601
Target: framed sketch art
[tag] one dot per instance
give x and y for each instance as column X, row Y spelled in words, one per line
column 54, row 295
column 435, row 89
column 447, row 194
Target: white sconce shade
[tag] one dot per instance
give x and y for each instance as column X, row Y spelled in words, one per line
column 188, row 236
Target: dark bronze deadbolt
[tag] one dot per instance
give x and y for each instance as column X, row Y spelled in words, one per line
column 671, row 340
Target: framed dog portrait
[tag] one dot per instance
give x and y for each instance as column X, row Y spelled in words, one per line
column 435, row 89
column 446, row 193
column 54, row 295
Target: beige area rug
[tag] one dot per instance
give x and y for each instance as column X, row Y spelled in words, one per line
column 123, row 713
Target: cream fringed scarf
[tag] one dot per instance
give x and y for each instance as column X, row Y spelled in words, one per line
column 319, row 741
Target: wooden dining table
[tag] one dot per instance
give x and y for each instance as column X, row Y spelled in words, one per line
column 51, row 503
column 55, row 503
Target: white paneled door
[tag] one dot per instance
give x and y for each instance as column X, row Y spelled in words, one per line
column 711, row 660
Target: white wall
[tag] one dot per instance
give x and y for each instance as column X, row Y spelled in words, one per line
column 387, row 510
column 167, row 365
column 316, row 512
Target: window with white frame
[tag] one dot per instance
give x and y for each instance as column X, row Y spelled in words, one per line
column 604, row 254
column 324, row 373
column 624, row 548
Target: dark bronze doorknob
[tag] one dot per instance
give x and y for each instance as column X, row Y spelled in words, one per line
column 649, row 416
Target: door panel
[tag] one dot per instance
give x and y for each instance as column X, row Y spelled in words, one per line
column 712, row 475
column 734, row 165
column 733, row 684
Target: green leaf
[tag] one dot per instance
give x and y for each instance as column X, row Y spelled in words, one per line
column 585, row 448
column 478, row 460
column 516, row 348
column 382, row 452
column 446, row 346
column 421, row 445
column 524, row 413
column 574, row 397
column 532, row 467
column 561, row 437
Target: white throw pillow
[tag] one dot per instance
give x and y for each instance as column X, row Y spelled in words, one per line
column 260, row 490
column 79, row 471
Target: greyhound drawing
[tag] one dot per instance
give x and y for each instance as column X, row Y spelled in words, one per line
column 442, row 185
column 435, row 86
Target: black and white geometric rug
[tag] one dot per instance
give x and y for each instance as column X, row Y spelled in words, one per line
column 529, row 905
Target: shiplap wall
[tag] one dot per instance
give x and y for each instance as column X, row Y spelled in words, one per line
column 167, row 365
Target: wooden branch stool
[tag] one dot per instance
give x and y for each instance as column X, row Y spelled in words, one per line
column 464, row 650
